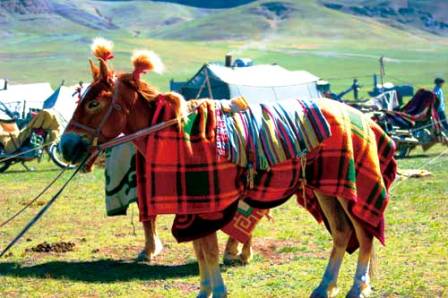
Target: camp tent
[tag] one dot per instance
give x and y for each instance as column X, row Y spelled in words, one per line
column 25, row 96
column 66, row 102
column 259, row 83
column 20, row 98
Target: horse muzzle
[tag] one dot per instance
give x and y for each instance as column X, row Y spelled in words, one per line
column 74, row 148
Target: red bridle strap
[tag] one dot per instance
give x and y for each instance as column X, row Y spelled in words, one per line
column 96, row 132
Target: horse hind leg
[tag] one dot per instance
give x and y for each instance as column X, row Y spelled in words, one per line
column 361, row 286
column 246, row 252
column 341, row 232
column 231, row 252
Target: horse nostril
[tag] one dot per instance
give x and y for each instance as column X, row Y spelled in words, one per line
column 73, row 147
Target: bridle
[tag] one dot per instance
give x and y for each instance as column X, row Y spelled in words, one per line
column 96, row 132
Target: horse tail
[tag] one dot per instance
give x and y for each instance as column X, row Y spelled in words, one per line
column 373, row 268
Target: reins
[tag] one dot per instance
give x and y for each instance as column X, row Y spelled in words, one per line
column 12, row 156
column 42, row 210
column 33, row 200
column 143, row 132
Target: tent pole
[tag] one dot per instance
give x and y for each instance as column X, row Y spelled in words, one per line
column 202, row 88
column 207, row 79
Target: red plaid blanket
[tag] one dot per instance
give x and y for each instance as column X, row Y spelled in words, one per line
column 202, row 189
column 356, row 163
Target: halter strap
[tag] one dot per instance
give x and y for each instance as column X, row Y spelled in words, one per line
column 96, row 132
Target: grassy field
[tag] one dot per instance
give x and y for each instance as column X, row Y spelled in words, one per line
column 290, row 254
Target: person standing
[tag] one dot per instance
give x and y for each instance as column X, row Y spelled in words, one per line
column 441, row 106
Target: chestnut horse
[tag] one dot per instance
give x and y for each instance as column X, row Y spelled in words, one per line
column 110, row 108
column 102, row 49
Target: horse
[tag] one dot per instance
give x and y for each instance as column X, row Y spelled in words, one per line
column 128, row 104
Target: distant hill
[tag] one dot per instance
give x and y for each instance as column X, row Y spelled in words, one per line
column 217, row 4
column 431, row 16
column 227, row 20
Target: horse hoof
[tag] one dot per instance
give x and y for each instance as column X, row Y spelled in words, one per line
column 143, row 257
column 230, row 259
column 203, row 294
column 220, row 293
column 318, row 293
column 331, row 292
column 363, row 291
column 245, row 259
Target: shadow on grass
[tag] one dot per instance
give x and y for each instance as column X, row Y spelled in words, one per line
column 100, row 271
column 33, row 171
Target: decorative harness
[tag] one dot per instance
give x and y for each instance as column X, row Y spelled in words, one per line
column 96, row 132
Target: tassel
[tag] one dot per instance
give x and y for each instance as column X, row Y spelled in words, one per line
column 250, row 176
column 303, row 179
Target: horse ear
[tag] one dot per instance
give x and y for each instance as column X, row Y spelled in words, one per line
column 95, row 70
column 145, row 61
column 104, row 69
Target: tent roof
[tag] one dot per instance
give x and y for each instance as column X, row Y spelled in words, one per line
column 35, row 96
column 260, row 75
column 37, row 92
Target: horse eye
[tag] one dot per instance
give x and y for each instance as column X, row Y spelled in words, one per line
column 93, row 104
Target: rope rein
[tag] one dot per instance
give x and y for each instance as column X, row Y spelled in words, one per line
column 24, row 152
column 42, row 210
column 33, row 200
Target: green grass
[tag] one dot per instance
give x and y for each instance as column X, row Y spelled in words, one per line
column 45, row 59
column 290, row 254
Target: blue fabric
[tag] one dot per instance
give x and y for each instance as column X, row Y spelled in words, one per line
column 439, row 93
column 51, row 101
column 441, row 108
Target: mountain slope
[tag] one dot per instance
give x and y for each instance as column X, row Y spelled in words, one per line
column 430, row 16
column 234, row 20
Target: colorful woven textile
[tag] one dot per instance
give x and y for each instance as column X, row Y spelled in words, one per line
column 423, row 108
column 200, row 181
column 356, row 163
column 120, row 179
column 182, row 174
column 271, row 133
column 244, row 222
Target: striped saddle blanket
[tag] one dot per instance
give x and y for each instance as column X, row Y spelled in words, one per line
column 261, row 136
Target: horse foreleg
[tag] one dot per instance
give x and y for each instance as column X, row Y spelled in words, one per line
column 206, row 284
column 210, row 250
column 341, row 232
column 361, row 286
column 153, row 245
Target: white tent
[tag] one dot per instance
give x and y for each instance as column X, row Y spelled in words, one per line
column 20, row 97
column 66, row 102
column 259, row 83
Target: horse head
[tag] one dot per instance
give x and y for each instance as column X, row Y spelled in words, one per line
column 114, row 105
column 82, row 130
